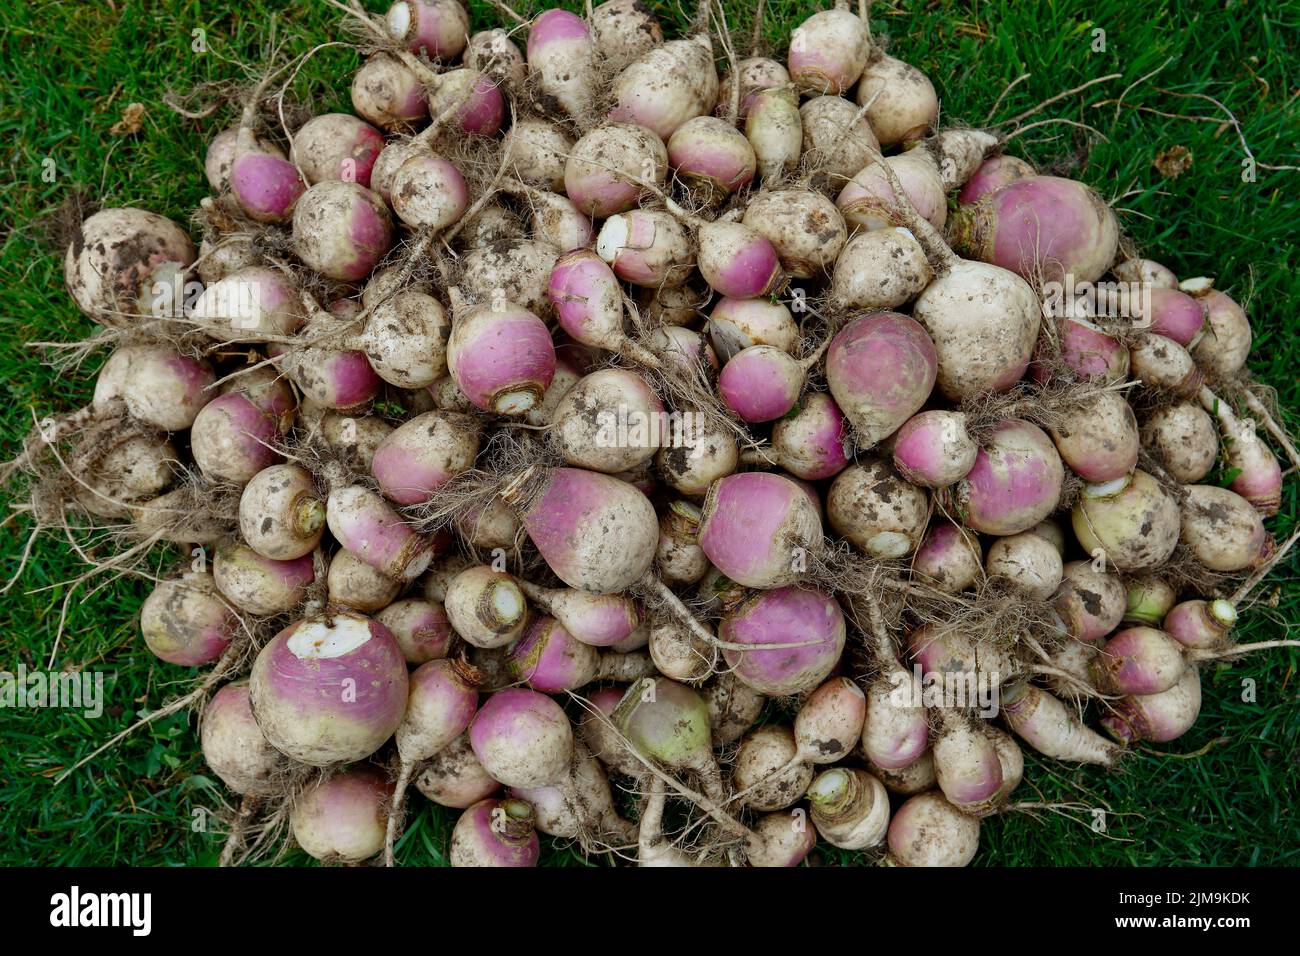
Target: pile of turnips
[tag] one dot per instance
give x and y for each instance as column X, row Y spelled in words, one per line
column 695, row 457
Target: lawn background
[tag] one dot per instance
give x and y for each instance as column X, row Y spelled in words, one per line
column 70, row 68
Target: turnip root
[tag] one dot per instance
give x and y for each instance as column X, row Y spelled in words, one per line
column 501, row 357
column 876, row 511
column 829, row 724
column 670, row 83
column 516, row 268
column 562, row 56
column 329, row 690
column 880, row 369
column 550, row 659
column 901, row 102
column 917, row 777
column 881, row 269
column 1182, row 438
column 756, row 73
column 336, row 146
column 949, row 650
column 1158, row 718
column 260, row 585
column 927, row 830
column 1198, row 624
column 423, row 454
column 966, row 763
column 428, row 192
column 405, row 339
column 588, row 301
column 341, row 819
column 1145, row 272
column 1099, row 439
column 1087, row 351
column 736, row 324
column 668, row 723
column 281, row 514
column 486, row 607
column 785, row 615
column 354, row 438
column 385, row 92
column 342, row 229
column 780, row 839
column 116, row 257
column 1029, row 563
column 1047, row 725
column 601, row 620
column 869, row 201
column 692, row 471
column 522, row 738
column 363, row 522
column 233, row 745
column 601, row 737
column 1051, row 529
column 1222, row 530
column 184, row 621
column 583, row 811
column 753, row 526
column 118, row 469
column 993, row 174
column 478, row 104
column 609, row 421
column 933, row 448
column 1138, row 660
column 1015, row 482
column 221, row 155
column 249, row 305
column 733, row 708
column 356, row 585
column 625, row 30
column 495, row 833
column 672, row 305
column 454, row 777
column 496, row 50
column 1040, row 225
column 680, row 652
column 767, row 773
column 829, row 51
column 774, row 128
column 1132, row 520
column 1223, row 349
column 1161, row 363
column 811, row 440
column 949, row 558
column 437, row 28
column 761, row 383
column 603, row 172
column 1171, row 313
column 265, row 186
column 1091, row 602
column 712, row 156
column 834, row 134
column 239, row 432
column 1150, row 598
column 803, row 226
column 539, row 152
column 679, row 558
column 159, row 387
column 1259, row 476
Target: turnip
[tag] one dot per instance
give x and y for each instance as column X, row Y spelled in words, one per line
column 1182, row 439
column 588, row 301
column 901, row 102
column 437, row 28
column 340, row 379
column 993, row 174
column 1051, row 529
column 328, row 690
column 342, row 818
column 356, row 585
column 774, row 129
column 1040, row 225
column 363, row 522
column 342, row 229
column 756, row 73
column 423, row 454
column 881, row 269
column 240, row 432
column 736, row 324
column 766, row 772
column 679, row 559
column 1133, row 520
column 692, row 471
column 1171, row 313
column 1098, row 438
column 490, row 527
column 385, row 92
column 1087, row 352
column 420, row 628
column 784, row 616
column 834, row 134
column 405, row 339
column 803, row 226
column 966, row 763
column 442, row 701
column 1158, row 718
column 455, row 778
column 681, row 652
column 917, row 777
column 1146, row 272
column 495, row 49
column 604, row 168
column 601, row 737
column 495, row 833
column 562, row 57
column 522, row 738
column 172, row 517
column 336, row 146
column 1201, row 625
column 668, row 723
column 221, row 155
column 1030, row 564
column 712, row 156
column 118, row 467
column 733, row 708
column 881, row 369
column 810, row 441
column 584, row 811
column 501, row 356
column 260, row 585
column 625, row 30
column 950, row 558
column 1223, row 349
column 1162, row 364
column 233, row 745
column 539, row 151
column 1138, row 660
column 600, row 620
column 281, row 514
column 478, row 105
column 933, row 448
column 219, row 258
column 428, row 192
column 486, row 607
column 1150, row 598
column 869, row 201
column 609, row 421
column 116, row 257
column 754, row 524
column 1258, row 476
column 184, row 621
column 829, row 50
column 761, row 383
column 1222, row 530
column 780, row 839
column 252, row 304
column 516, row 269
column 1091, row 602
column 672, row 305
column 1015, row 482
column 940, row 649
column 927, row 830
column 550, row 659
column 158, row 386
column 354, row 439
column 670, row 83
column 876, row 511
column 1047, row 725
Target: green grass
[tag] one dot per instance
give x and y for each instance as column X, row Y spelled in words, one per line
column 71, row 67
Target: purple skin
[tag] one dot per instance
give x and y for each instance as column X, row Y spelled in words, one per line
column 335, row 708
column 1200, row 624
column 242, row 436
column 370, row 234
column 1158, row 718
column 1092, row 354
column 749, row 271
column 500, row 356
column 587, row 298
column 442, row 701
column 550, row 659
column 567, row 511
column 784, row 615
column 484, row 837
column 265, row 186
column 761, row 383
column 811, row 439
column 993, row 174
column 196, row 624
column 435, row 30
column 602, row 620
column 881, row 369
column 1139, row 660
column 516, row 721
column 363, row 523
column 420, row 457
column 919, row 450
column 1015, row 483
column 646, row 257
column 1175, row 315
column 344, row 814
column 420, row 627
column 745, row 532
column 352, row 380
column 698, row 151
column 484, row 110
